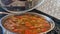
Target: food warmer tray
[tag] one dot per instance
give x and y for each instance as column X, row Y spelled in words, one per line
column 56, row 30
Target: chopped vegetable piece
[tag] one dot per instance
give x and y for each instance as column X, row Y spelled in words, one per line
column 32, row 27
column 43, row 30
column 28, row 24
column 15, row 30
column 28, row 31
column 35, row 32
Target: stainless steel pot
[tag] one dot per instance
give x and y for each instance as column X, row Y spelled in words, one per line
column 45, row 17
column 30, row 3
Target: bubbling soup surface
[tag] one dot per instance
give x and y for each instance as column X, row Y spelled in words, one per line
column 27, row 24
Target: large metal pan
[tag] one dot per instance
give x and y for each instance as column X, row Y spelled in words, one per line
column 45, row 17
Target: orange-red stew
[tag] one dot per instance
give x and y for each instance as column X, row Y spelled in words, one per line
column 27, row 24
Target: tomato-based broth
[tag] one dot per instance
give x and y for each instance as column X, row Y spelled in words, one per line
column 27, row 24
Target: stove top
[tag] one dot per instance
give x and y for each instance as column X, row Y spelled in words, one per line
column 56, row 30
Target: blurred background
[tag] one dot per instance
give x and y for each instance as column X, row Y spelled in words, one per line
column 51, row 7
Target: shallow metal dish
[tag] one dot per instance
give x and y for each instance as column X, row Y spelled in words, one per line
column 45, row 17
column 34, row 5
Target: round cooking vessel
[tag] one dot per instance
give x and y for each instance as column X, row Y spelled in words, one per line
column 33, row 4
column 50, row 21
